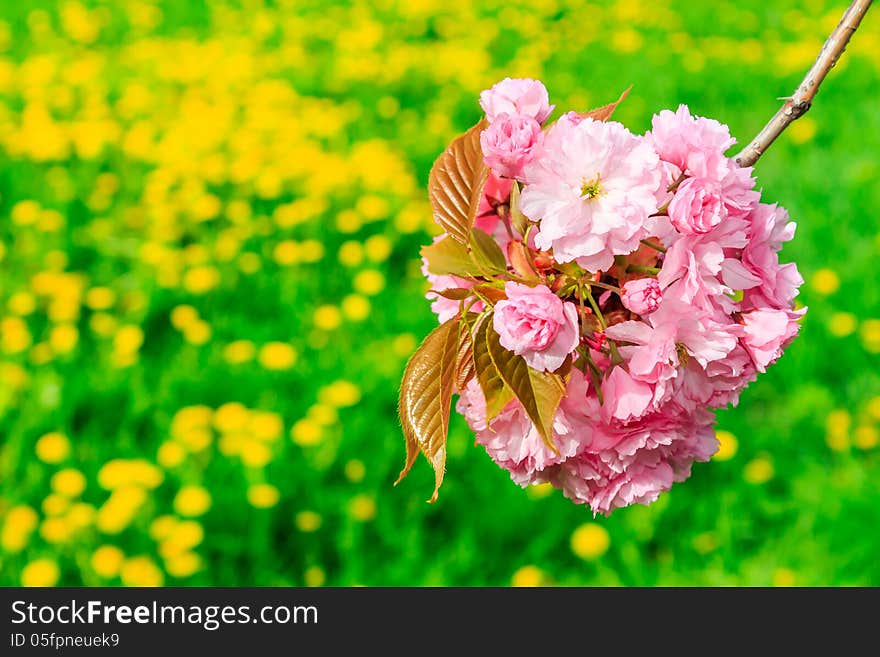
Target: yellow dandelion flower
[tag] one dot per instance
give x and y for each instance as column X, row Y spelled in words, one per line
column 286, row 253
column 539, row 491
column 362, row 508
column 369, row 282
column 198, row 333
column 192, row 501
column 230, row 444
column 162, row 526
column 15, row 336
column 873, row 408
column 277, row 356
column 81, row 515
column 705, row 542
column 40, row 354
column 758, row 471
column 590, row 541
column 103, row 324
column 128, row 339
column 841, row 325
column 53, row 447
column 311, row 251
column 255, row 454
column 351, row 253
column 314, row 576
column 69, row 482
column 100, row 298
column 355, row 307
column 63, row 338
column 183, row 316
column 866, row 437
column 184, row 535
column 727, row 445
column 377, row 248
column 327, row 318
column 323, row 415
column 265, row 425
column 340, row 394
column 56, row 530
column 837, row 427
column 231, row 416
column 22, row 303
column 348, row 221
column 170, row 454
column 528, row 576
column 201, row 279
column 40, row 573
column 55, row 504
column 263, row 496
column 306, row 432
column 184, row 564
column 107, row 560
column 355, row 471
column 308, row 521
column 140, row 571
column 802, row 130
column 825, row 282
column 25, row 213
column 870, row 334
column 239, row 351
column 404, row 344
column 19, row 524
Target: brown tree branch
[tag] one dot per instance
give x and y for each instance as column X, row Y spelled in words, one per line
column 800, row 101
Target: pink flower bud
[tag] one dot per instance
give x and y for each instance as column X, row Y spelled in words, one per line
column 510, row 143
column 642, row 296
column 522, row 96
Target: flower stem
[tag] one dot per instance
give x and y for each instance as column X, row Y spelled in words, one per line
column 638, row 269
column 586, row 292
column 656, row 247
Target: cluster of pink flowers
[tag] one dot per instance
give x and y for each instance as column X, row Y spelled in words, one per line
column 677, row 257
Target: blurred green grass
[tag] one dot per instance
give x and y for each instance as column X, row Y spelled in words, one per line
column 182, row 184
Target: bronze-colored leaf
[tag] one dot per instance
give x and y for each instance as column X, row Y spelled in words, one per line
column 493, row 294
column 456, row 183
column 464, row 363
column 604, row 113
column 521, row 260
column 486, row 252
column 454, row 293
column 496, row 393
column 425, row 397
column 449, row 256
column 538, row 392
column 518, row 220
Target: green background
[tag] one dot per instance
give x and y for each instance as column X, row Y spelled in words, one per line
column 179, row 177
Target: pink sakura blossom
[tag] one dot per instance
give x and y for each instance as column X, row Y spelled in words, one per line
column 592, row 188
column 509, row 143
column 517, row 96
column 767, row 333
column 641, row 296
column 676, row 345
column 693, row 144
column 511, row 438
column 536, row 324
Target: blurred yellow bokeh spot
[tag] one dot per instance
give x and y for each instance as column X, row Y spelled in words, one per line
column 590, row 541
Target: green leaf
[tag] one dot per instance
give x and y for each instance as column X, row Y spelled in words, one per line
column 425, row 398
column 538, row 392
column 518, row 220
column 448, row 256
column 456, row 182
column 496, row 393
column 486, row 252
